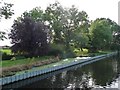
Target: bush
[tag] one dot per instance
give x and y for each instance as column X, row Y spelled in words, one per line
column 69, row 54
column 20, row 57
column 6, row 57
column 56, row 50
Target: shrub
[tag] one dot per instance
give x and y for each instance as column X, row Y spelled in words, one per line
column 19, row 56
column 55, row 52
column 6, row 57
column 69, row 54
column 56, row 49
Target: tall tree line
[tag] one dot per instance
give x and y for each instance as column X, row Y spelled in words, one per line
column 67, row 27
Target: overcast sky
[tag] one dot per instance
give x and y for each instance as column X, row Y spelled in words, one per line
column 94, row 8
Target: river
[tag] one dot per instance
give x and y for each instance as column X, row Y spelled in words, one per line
column 101, row 74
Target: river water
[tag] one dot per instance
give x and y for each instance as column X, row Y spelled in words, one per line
column 101, row 74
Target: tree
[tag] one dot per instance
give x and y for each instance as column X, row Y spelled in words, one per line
column 36, row 14
column 116, row 38
column 67, row 24
column 82, row 31
column 29, row 37
column 2, row 35
column 100, row 34
column 6, row 12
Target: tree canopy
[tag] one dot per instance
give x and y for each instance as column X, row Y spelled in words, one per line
column 102, row 33
column 68, row 27
column 29, row 37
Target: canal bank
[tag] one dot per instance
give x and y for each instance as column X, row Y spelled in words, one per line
column 15, row 78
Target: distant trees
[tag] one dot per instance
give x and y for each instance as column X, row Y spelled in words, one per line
column 68, row 28
column 100, row 34
column 29, row 37
column 68, row 25
column 103, row 33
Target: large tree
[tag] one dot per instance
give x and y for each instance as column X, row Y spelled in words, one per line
column 29, row 37
column 68, row 26
column 101, row 34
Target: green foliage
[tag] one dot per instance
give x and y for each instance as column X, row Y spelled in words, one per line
column 5, row 10
column 56, row 50
column 78, row 52
column 36, row 14
column 9, row 56
column 116, row 38
column 69, row 54
column 68, row 26
column 100, row 34
column 6, row 56
column 7, row 51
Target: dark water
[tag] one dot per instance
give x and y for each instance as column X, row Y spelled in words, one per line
column 101, row 74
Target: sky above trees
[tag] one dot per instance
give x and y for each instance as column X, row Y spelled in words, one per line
column 94, row 8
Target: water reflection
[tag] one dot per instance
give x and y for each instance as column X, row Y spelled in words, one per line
column 98, row 74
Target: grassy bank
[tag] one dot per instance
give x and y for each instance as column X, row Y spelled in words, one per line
column 18, row 69
column 11, row 67
column 16, row 66
column 9, row 63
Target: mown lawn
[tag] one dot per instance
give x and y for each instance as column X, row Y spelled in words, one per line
column 63, row 61
column 9, row 63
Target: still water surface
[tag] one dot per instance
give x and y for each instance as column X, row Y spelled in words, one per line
column 101, row 74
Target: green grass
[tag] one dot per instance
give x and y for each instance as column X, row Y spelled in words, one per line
column 23, row 61
column 86, row 53
column 64, row 61
column 99, row 53
column 7, row 51
column 81, row 53
column 9, row 63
